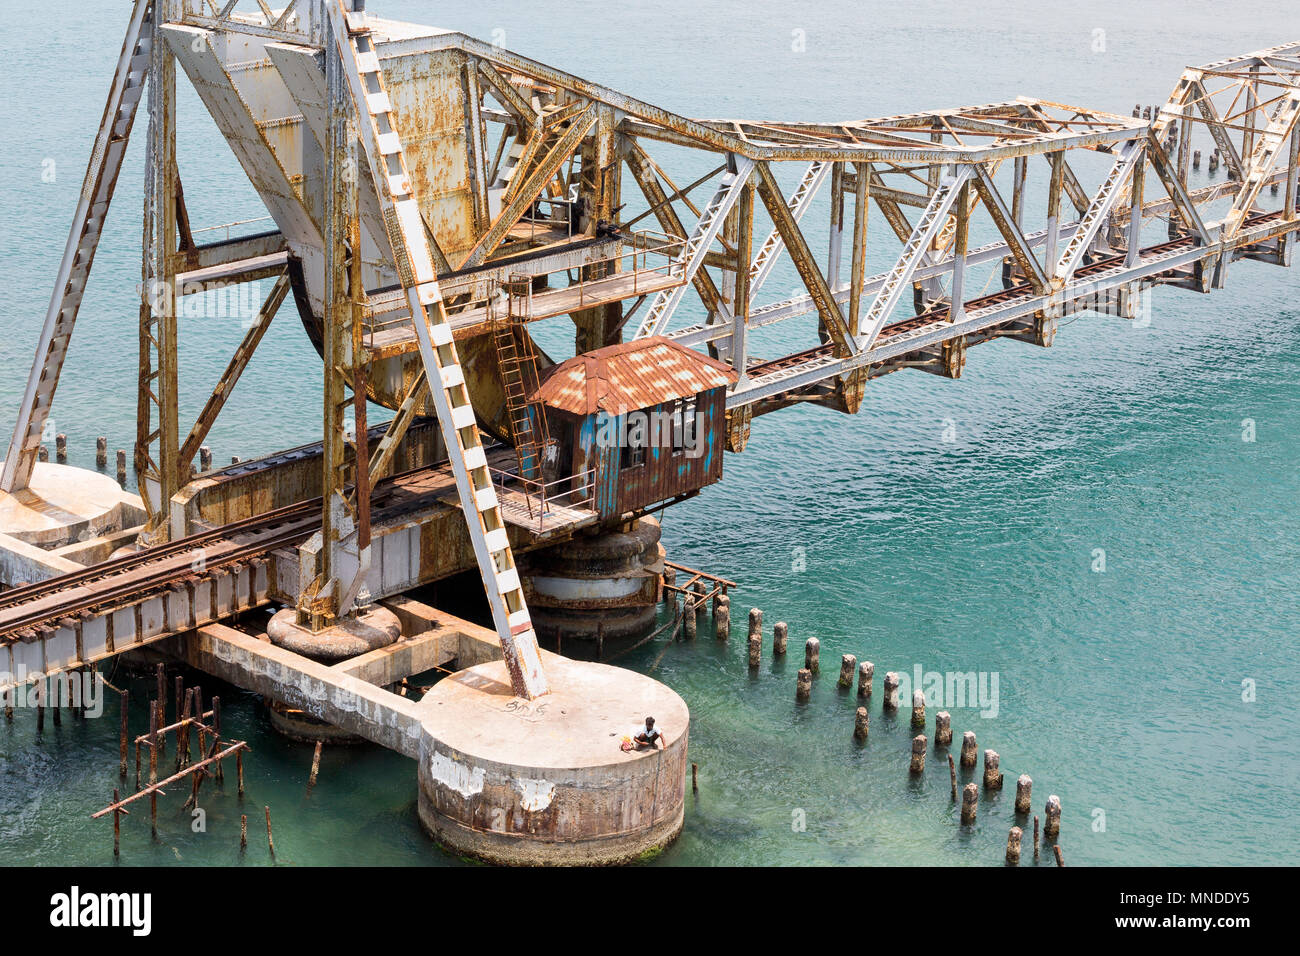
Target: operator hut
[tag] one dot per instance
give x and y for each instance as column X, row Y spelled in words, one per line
column 644, row 422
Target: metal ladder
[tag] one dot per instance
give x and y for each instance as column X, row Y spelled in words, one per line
column 87, row 226
column 518, row 364
column 446, row 377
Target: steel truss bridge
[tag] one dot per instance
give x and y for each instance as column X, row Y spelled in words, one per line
column 1076, row 209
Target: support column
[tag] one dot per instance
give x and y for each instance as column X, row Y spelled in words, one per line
column 744, row 255
column 601, row 187
column 957, row 309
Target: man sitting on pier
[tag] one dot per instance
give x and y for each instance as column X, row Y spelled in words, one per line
column 645, row 737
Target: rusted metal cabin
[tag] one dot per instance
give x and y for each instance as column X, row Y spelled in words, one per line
column 639, row 423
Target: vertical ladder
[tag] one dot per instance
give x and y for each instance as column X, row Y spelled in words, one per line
column 79, row 253
column 414, row 260
column 518, row 363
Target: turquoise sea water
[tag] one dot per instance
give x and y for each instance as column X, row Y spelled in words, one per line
column 950, row 525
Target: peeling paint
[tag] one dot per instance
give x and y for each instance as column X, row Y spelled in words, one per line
column 537, row 794
column 455, row 775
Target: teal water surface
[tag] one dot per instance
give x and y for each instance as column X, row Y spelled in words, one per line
column 954, row 526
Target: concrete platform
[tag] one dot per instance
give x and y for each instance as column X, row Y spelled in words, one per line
column 545, row 781
column 372, row 628
column 63, row 504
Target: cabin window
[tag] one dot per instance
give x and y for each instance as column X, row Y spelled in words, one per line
column 685, row 424
column 633, row 456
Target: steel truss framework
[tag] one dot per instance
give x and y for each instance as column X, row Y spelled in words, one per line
column 936, row 177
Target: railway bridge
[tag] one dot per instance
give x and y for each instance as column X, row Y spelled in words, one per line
column 431, row 199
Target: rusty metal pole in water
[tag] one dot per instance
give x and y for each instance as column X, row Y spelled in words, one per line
column 1035, row 838
column 695, row 778
column 315, row 767
column 243, row 832
column 952, row 775
column 239, row 771
column 270, row 840
column 162, row 705
column 153, row 769
column 216, row 735
column 117, row 825
column 122, row 742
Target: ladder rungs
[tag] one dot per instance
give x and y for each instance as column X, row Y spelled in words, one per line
column 485, row 499
column 508, row 581
column 462, row 416
column 497, row 541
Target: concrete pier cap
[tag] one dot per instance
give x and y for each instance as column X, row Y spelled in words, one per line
column 546, row 782
column 62, row 504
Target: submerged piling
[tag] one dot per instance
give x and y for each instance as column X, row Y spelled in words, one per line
column 722, row 617
column 780, row 637
column 61, row 448
column 918, row 754
column 848, row 665
column 968, row 749
column 101, row 452
column 1013, row 846
column 755, row 651
column 918, row 709
column 689, row 618
column 861, row 724
column 891, row 691
column 1024, row 791
column 970, row 798
column 755, row 622
column 812, row 655
column 952, row 776
column 121, row 467
column 1052, row 817
column 942, row 729
column 866, row 670
column 992, row 775
column 803, row 685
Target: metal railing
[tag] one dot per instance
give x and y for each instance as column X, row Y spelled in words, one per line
column 225, row 228
column 648, row 253
column 577, row 491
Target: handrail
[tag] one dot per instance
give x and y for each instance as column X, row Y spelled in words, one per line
column 541, row 496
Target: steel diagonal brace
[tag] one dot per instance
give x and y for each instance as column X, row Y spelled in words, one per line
column 1164, row 168
column 1102, row 203
column 918, row 243
column 779, row 210
column 1261, row 163
column 1218, row 130
column 1002, row 218
column 771, row 249
column 697, row 247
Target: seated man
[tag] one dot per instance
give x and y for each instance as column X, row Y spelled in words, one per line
column 645, row 736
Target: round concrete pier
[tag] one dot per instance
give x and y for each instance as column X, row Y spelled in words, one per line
column 545, row 782
column 372, row 628
column 607, row 580
column 62, row 504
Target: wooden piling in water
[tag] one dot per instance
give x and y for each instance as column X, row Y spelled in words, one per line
column 153, row 768
column 918, row 754
column 1056, row 848
column 689, row 619
column 61, row 448
column 1024, row 793
column 160, row 676
column 968, row 757
column 216, row 736
column 243, row 832
column 101, row 452
column 861, row 724
column 1013, row 846
column 315, row 766
column 205, row 458
column 701, row 605
column 695, row 778
column 755, row 651
column 812, row 650
column 117, row 825
column 1035, row 838
column 239, row 771
column 756, row 622
column 970, row 798
column 952, row 776
column 270, row 840
column 918, row 709
column 722, row 618
column 992, row 775
column 780, row 637
column 866, row 670
column 942, row 729
column 670, row 596
column 1052, row 817
column 891, row 691
column 848, row 666
column 121, row 467
column 803, row 685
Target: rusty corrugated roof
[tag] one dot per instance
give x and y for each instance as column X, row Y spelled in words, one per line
column 637, row 374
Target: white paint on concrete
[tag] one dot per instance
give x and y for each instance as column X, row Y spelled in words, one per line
column 537, row 794
column 455, row 775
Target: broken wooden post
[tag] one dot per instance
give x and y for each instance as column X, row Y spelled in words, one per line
column 891, row 691
column 866, row 670
column 270, row 840
column 695, row 778
column 101, row 451
column 123, row 694
column 918, row 709
column 670, row 596
column 216, row 736
column 117, row 824
column 61, row 448
column 689, row 619
column 722, row 618
column 1052, row 820
column 780, row 637
column 968, row 749
column 861, row 724
column 848, row 665
column 1013, row 846
column 755, row 622
column 803, row 685
column 918, row 754
column 1056, row 848
column 243, row 832
column 952, row 776
column 812, row 650
column 1024, row 790
column 1035, row 838
column 992, row 775
column 121, row 467
column 755, row 651
column 970, row 798
column 942, row 729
